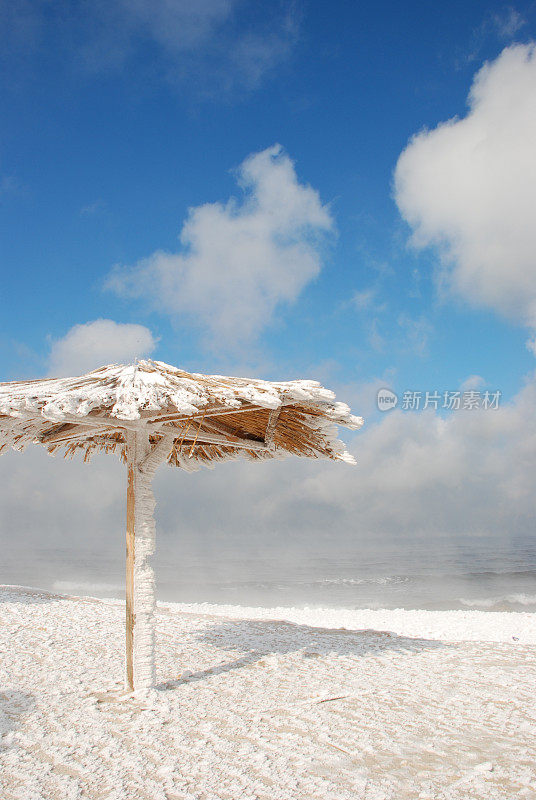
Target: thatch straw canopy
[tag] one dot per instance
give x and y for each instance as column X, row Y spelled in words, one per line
column 197, row 419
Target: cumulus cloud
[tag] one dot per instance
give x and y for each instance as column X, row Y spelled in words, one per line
column 468, row 187
column 240, row 260
column 103, row 341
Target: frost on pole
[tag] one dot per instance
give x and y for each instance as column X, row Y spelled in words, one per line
column 150, row 412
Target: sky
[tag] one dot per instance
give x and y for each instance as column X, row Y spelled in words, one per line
column 336, row 191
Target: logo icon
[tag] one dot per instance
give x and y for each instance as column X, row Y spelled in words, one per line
column 386, row 399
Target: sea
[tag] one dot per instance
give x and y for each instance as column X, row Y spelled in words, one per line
column 442, row 576
column 467, row 573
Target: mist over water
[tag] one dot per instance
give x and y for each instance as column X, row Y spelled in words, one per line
column 415, row 575
column 474, row 573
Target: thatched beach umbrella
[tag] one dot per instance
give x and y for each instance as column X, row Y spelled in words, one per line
column 150, row 412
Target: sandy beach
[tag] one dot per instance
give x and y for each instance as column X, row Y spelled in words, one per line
column 266, row 703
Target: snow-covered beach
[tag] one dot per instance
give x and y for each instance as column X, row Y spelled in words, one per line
column 266, row 703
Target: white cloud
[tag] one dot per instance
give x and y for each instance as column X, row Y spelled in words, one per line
column 375, row 337
column 93, row 209
column 364, row 299
column 472, row 382
column 468, row 187
column 531, row 345
column 178, row 25
column 103, row 341
column 207, row 43
column 469, row 473
column 416, row 332
column 240, row 260
column 497, row 27
column 211, row 47
column 508, row 22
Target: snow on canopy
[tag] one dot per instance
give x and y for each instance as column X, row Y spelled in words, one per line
column 197, row 419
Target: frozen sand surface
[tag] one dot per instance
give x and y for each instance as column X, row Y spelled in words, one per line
column 266, row 703
column 463, row 626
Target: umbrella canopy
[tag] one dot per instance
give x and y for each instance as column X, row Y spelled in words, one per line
column 150, row 412
column 203, row 418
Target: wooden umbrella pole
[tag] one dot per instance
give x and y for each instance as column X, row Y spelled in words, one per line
column 142, row 462
column 131, row 504
column 140, row 543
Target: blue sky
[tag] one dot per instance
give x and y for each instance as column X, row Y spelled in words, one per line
column 113, row 127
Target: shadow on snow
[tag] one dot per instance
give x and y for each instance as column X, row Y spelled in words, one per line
column 256, row 639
